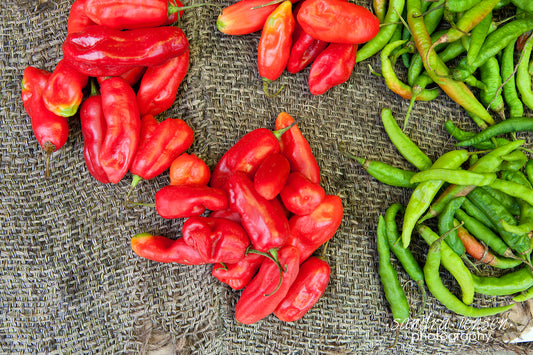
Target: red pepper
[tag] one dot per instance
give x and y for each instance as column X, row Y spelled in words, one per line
column 263, row 294
column 93, row 128
column 275, row 42
column 217, row 240
column 296, row 149
column 270, row 177
column 279, row 205
column 160, row 84
column 103, row 51
column 189, row 170
column 123, row 126
column 227, row 214
column 267, row 226
column 300, row 195
column 309, row 232
column 63, row 92
column 332, row 67
column 338, row 21
column 238, row 275
column 174, row 16
column 183, row 201
column 306, row 290
column 77, row 18
column 165, row 250
column 51, row 130
column 131, row 76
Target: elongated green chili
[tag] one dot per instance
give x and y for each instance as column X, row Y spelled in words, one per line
column 515, row 124
column 461, row 5
column 529, row 170
column 514, row 189
column 514, row 161
column 446, row 224
column 510, row 94
column 509, row 202
column 380, row 9
column 523, row 78
column 455, row 176
column 478, row 214
column 525, row 5
column 526, row 295
column 477, row 37
column 490, row 76
column 508, row 284
column 462, row 135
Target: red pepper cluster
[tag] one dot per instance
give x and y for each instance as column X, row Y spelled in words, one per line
column 268, row 215
column 321, row 33
column 121, row 44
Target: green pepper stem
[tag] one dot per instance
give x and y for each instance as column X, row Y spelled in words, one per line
column 273, row 2
column 136, row 179
column 49, row 148
column 279, row 132
column 273, row 256
column 265, row 88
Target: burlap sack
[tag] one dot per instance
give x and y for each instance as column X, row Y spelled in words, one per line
column 69, row 280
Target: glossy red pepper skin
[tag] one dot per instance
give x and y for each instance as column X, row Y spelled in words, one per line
column 123, row 128
column 338, row 21
column 102, row 51
column 297, row 149
column 77, row 18
column 309, row 286
column 159, row 145
column 238, row 275
column 258, row 299
column 267, row 226
column 246, row 155
column 64, row 90
column 217, row 240
column 131, row 76
column 227, row 214
column 188, row 169
column 332, row 67
column 160, row 84
column 300, row 195
column 275, row 42
column 182, row 201
column 309, row 232
column 165, row 250
column 270, row 177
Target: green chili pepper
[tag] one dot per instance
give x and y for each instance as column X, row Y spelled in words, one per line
column 513, row 282
column 525, row 5
column 446, row 224
column 515, row 124
column 490, row 76
column 380, row 9
column 510, row 94
column 529, row 170
column 461, row 5
column 514, row 161
column 462, row 135
column 526, row 295
column 526, row 209
column 455, row 176
column 477, row 37
column 514, row 189
column 509, row 202
column 523, row 78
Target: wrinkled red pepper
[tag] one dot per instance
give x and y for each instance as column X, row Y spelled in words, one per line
column 300, row 195
column 165, row 250
column 181, row 201
column 131, row 76
column 103, row 51
column 64, row 90
column 270, row 177
column 309, row 232
column 188, row 169
column 297, row 149
column 50, row 130
column 338, row 21
column 217, row 240
column 332, row 67
column 262, row 295
column 123, row 128
column 306, row 290
column 77, row 18
column 267, row 226
column 160, row 84
column 238, row 275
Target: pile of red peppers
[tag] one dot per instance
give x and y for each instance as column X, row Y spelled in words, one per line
column 268, row 214
column 322, row 33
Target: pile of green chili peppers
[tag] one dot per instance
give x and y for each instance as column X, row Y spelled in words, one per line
column 428, row 35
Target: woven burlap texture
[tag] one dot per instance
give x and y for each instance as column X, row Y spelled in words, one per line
column 69, row 280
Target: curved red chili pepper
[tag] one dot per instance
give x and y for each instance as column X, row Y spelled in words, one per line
column 181, row 201
column 77, row 18
column 300, row 195
column 64, row 90
column 160, row 84
column 165, row 250
column 296, row 149
column 188, row 169
column 332, row 67
column 51, row 130
column 260, row 298
column 238, row 275
column 123, row 127
column 309, row 286
column 131, row 76
column 270, row 177
column 103, row 51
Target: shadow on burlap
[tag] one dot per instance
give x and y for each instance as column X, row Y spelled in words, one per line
column 70, row 282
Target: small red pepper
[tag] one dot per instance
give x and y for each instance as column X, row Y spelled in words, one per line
column 131, row 76
column 63, row 92
column 309, row 232
column 160, row 84
column 267, row 226
column 51, row 130
column 123, row 127
column 77, row 18
column 338, row 21
column 188, row 169
column 270, row 177
column 300, row 195
column 103, row 51
column 174, row 16
column 309, row 286
column 332, row 67
column 217, row 240
column 165, row 250
column 263, row 294
column 227, row 214
column 181, row 201
column 297, row 149
column 238, row 275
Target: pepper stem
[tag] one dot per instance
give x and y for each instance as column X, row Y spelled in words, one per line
column 94, row 90
column 273, row 2
column 265, row 88
column 136, row 179
column 273, row 256
column 49, row 148
column 279, row 132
